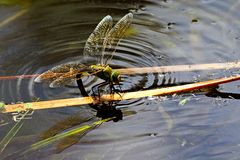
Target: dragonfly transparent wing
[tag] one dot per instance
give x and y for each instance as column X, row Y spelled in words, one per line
column 114, row 36
column 94, row 44
column 63, row 74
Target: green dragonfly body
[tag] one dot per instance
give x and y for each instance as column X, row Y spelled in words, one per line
column 101, row 43
column 106, row 73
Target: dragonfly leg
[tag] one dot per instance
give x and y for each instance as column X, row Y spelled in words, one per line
column 98, row 87
column 119, row 85
column 114, row 90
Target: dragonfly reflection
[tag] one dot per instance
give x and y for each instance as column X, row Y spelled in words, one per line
column 101, row 43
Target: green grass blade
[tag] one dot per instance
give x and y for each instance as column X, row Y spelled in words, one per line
column 57, row 137
column 7, row 139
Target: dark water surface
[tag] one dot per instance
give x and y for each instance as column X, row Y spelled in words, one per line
column 167, row 32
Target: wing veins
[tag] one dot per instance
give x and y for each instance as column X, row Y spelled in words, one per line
column 94, row 43
column 114, row 36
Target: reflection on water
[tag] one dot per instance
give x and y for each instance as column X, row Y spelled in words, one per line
column 169, row 32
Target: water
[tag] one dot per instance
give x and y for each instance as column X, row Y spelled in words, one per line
column 167, row 33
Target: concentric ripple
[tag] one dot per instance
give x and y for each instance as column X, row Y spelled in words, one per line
column 49, row 43
column 165, row 32
column 58, row 36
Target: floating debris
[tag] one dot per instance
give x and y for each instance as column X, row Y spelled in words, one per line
column 184, row 101
column 194, row 20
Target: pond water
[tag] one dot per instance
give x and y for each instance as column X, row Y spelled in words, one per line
column 166, row 32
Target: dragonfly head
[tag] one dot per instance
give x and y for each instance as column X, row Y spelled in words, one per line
column 115, row 77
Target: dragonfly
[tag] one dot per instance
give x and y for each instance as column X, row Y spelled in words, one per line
column 101, row 43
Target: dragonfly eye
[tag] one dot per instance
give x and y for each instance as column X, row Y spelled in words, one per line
column 115, row 77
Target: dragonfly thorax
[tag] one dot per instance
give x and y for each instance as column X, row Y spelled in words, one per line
column 106, row 73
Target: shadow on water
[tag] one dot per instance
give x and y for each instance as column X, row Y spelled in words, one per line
column 168, row 32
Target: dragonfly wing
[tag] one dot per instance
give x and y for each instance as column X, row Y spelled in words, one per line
column 94, row 44
column 46, row 76
column 115, row 34
column 63, row 80
column 62, row 74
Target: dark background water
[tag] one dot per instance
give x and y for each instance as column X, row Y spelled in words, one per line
column 167, row 33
